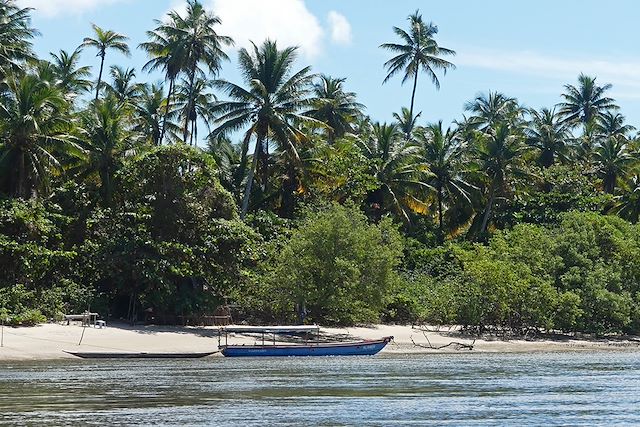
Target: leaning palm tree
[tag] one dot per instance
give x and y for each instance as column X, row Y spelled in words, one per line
column 549, row 134
column 15, row 37
column 106, row 40
column 586, row 102
column 401, row 175
column 419, row 51
column 442, row 152
column 270, row 106
column 335, row 107
column 35, row 135
column 72, row 79
column 497, row 154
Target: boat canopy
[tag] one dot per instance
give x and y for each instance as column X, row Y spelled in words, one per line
column 269, row 329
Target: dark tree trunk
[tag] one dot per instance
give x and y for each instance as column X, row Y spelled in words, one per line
column 254, row 165
column 100, row 75
column 166, row 110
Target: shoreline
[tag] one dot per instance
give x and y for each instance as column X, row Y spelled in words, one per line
column 48, row 341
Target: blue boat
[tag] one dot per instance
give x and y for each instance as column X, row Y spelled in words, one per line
column 307, row 348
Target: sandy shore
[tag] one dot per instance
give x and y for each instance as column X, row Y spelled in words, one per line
column 49, row 341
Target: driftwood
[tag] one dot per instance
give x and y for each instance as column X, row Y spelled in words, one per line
column 455, row 344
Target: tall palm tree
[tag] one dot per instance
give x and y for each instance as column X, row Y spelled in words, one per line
column 335, row 107
column 72, row 79
column 586, row 102
column 548, row 133
column 492, row 109
column 612, row 125
column 149, row 112
column 106, row 138
column 35, row 135
column 183, row 44
column 15, row 37
column 105, row 40
column 419, row 52
column 406, row 120
column 442, row 152
column 497, row 153
column 400, row 173
column 193, row 101
column 270, row 106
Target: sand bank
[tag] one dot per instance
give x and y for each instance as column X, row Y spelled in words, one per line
column 48, row 341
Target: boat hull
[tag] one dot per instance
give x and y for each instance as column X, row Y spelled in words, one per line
column 141, row 355
column 360, row 348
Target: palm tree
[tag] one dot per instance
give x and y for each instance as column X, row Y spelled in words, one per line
column 106, row 40
column 586, row 102
column 35, row 134
column 401, row 175
column 149, row 110
column 490, row 110
column 107, row 137
column 612, row 125
column 335, row 107
column 71, row 78
column 419, row 52
column 627, row 205
column 270, row 106
column 549, row 134
column 498, row 153
column 15, row 37
column 193, row 101
column 123, row 86
column 182, row 45
column 442, row 152
column 612, row 161
column 406, row 120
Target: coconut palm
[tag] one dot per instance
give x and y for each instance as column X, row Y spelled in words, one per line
column 548, row 133
column 72, row 79
column 442, row 152
column 492, row 109
column 193, row 101
column 35, row 135
column 419, row 51
column 270, row 106
column 401, row 176
column 406, row 121
column 103, row 41
column 612, row 161
column 15, row 37
column 612, row 125
column 498, row 154
column 106, row 138
column 149, row 113
column 123, row 86
column 586, row 102
column 335, row 107
column 627, row 204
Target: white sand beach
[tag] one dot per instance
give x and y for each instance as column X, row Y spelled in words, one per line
column 49, row 341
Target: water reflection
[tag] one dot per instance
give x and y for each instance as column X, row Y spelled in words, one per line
column 480, row 389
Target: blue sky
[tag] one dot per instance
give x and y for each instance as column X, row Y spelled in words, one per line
column 526, row 49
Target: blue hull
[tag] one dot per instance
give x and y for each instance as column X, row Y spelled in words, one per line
column 361, row 348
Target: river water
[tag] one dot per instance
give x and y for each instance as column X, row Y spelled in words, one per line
column 455, row 389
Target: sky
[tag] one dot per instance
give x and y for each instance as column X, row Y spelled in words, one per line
column 525, row 49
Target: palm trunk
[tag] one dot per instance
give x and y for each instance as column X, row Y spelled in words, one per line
column 487, row 211
column 440, row 213
column 100, row 76
column 166, row 111
column 185, row 131
column 21, row 176
column 413, row 97
column 252, row 170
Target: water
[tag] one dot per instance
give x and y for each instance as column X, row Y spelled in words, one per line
column 460, row 389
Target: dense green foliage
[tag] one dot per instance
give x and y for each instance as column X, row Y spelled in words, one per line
column 509, row 219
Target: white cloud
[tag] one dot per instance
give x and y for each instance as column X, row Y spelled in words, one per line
column 340, row 28
column 53, row 8
column 287, row 21
column 622, row 73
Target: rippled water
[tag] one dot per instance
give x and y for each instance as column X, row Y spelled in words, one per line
column 461, row 389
